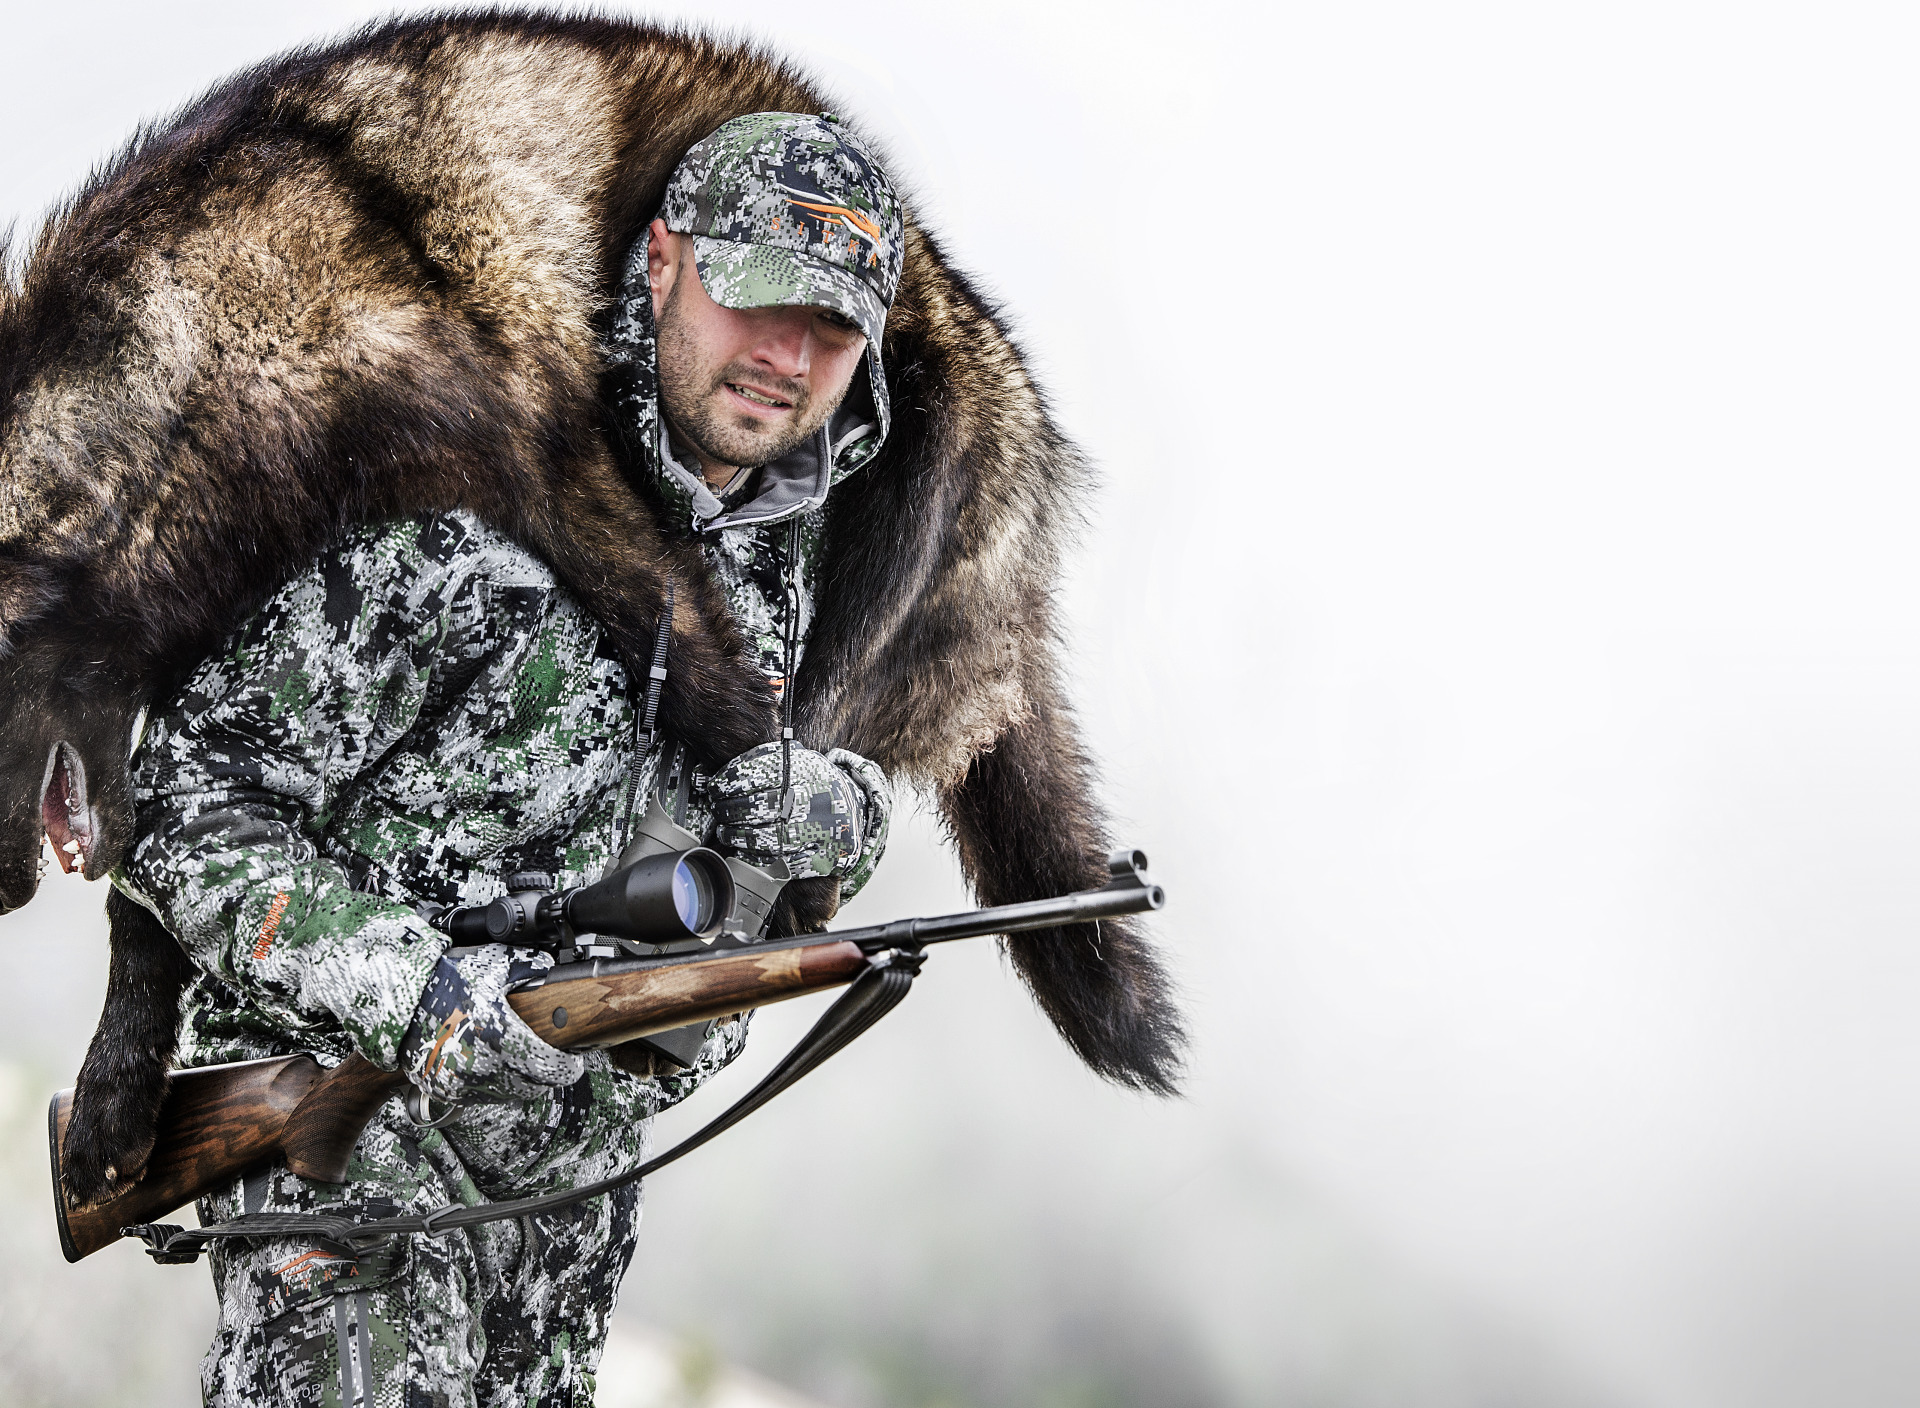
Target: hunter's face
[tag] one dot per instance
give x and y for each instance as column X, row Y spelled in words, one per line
column 743, row 386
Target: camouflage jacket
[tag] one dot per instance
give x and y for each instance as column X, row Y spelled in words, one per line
column 422, row 714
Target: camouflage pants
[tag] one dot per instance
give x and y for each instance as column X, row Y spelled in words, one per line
column 506, row 1313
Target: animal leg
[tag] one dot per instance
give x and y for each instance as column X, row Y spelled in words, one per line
column 116, row 1100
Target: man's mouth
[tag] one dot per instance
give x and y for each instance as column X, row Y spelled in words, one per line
column 758, row 398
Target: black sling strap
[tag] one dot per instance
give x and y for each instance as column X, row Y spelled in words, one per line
column 872, row 995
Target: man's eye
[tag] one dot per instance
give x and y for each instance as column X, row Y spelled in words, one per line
column 839, row 322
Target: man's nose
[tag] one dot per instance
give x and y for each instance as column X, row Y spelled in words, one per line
column 786, row 345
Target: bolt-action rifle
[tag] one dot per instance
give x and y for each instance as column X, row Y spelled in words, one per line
column 219, row 1121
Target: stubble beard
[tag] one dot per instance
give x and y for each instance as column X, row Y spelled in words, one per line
column 692, row 399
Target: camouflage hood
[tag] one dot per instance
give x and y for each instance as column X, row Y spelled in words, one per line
column 795, row 483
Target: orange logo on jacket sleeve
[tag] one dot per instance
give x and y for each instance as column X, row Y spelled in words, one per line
column 269, row 926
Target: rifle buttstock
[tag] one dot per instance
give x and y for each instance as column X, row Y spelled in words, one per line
column 215, row 1122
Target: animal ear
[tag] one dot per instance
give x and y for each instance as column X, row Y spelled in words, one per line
column 27, row 591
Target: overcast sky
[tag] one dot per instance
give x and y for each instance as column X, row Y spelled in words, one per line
column 1500, row 628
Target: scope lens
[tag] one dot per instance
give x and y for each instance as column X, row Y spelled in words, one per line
column 693, row 897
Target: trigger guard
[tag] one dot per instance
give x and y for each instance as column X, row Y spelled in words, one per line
column 420, row 1109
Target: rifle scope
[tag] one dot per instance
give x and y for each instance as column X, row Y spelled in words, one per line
column 658, row 899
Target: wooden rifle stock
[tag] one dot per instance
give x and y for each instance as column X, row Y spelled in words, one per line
column 219, row 1121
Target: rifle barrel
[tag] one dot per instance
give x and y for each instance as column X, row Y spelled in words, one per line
column 1080, row 908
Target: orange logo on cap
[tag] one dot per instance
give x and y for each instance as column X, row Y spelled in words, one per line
column 829, row 213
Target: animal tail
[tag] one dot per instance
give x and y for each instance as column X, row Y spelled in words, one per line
column 1026, row 828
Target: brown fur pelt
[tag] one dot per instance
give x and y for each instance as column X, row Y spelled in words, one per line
column 372, row 279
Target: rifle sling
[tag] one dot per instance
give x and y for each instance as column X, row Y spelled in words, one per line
column 872, row 995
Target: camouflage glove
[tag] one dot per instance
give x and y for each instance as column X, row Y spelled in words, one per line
column 466, row 1043
column 817, row 828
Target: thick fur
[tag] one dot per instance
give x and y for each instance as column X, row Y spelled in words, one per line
column 372, row 279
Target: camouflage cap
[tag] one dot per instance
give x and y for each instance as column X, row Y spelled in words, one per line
column 792, row 209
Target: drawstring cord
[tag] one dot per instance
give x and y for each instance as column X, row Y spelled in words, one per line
column 791, row 634
column 644, row 734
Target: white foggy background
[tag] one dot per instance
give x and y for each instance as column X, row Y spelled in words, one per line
column 1499, row 627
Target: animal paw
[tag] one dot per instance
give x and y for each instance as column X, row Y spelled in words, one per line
column 806, row 905
column 109, row 1140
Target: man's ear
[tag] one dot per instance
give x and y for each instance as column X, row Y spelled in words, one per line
column 663, row 262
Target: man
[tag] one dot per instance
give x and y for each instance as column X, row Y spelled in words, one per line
column 425, row 712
